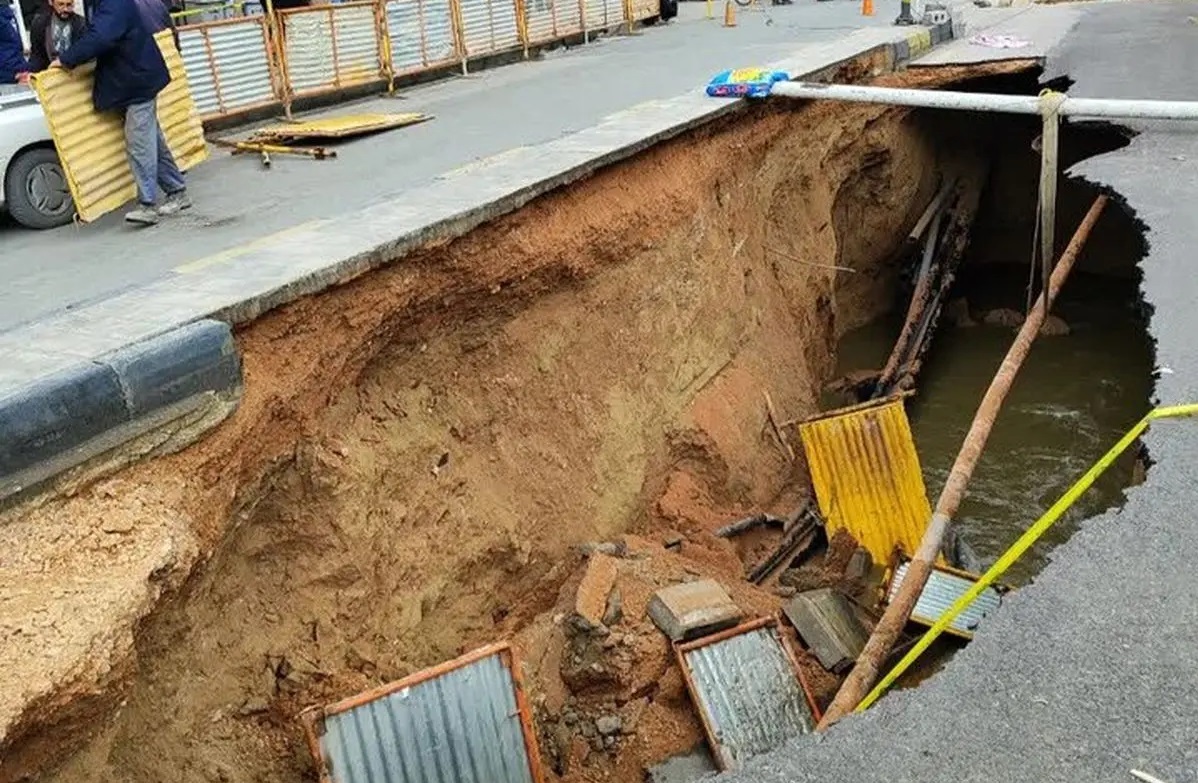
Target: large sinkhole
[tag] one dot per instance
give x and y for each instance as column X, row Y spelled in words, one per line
column 428, row 458
column 1089, row 377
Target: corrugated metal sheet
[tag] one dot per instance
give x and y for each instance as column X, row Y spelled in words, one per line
column 867, row 477
column 603, row 14
column 643, row 9
column 91, row 145
column 421, row 34
column 358, row 43
column 228, row 66
column 340, row 127
column 942, row 591
column 746, row 686
column 330, row 47
column 489, row 26
column 463, row 724
column 551, row 20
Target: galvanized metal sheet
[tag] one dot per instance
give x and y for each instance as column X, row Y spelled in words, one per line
column 91, row 145
column 357, row 38
column 551, row 20
column 867, row 477
column 341, row 127
column 308, row 50
column 420, row 34
column 462, row 725
column 603, row 14
column 748, row 691
column 643, row 9
column 943, row 589
column 489, row 26
column 330, row 47
column 228, row 66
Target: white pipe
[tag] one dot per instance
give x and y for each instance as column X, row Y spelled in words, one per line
column 976, row 101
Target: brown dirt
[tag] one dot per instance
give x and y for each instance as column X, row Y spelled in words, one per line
column 418, row 451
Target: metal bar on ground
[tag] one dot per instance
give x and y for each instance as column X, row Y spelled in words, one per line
column 869, row 663
column 977, row 101
column 1022, row 544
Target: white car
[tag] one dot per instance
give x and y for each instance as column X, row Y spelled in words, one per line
column 34, row 189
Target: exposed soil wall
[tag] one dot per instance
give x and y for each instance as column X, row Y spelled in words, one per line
column 418, row 451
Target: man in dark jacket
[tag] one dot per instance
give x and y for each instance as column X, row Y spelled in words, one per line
column 130, row 72
column 54, row 29
column 13, row 68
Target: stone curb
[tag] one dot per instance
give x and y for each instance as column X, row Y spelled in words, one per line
column 72, row 377
column 60, row 421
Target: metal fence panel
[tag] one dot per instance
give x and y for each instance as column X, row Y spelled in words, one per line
column 644, row 9
column 330, row 47
column 603, row 14
column 421, row 34
column 91, row 145
column 747, row 689
column 867, row 478
column 489, row 26
column 463, row 722
column 228, row 66
column 551, row 20
column 943, row 589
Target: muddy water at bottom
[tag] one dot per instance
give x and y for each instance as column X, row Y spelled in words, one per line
column 1074, row 397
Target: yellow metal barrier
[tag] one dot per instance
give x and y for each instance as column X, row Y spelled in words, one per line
column 230, row 65
column 91, row 145
column 867, row 478
column 1033, row 534
column 326, row 48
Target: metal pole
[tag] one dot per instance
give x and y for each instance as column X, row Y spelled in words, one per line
column 905, row 19
column 977, row 101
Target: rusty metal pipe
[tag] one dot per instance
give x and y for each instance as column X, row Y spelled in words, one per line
column 866, row 671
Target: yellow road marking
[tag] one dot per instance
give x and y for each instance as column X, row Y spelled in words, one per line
column 200, row 264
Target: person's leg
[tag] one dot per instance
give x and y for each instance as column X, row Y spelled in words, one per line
column 170, row 179
column 141, row 144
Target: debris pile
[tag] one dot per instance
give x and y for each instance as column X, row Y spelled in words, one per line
column 659, row 645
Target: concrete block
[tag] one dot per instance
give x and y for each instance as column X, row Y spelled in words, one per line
column 590, row 602
column 828, row 626
column 692, row 609
column 57, row 414
column 192, row 359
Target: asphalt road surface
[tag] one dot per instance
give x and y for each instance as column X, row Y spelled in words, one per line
column 236, row 201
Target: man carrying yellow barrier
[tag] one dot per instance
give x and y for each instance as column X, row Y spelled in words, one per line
column 130, row 73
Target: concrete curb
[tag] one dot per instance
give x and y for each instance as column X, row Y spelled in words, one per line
column 61, row 421
column 78, row 383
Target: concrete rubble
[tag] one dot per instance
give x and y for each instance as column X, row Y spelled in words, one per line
column 693, row 609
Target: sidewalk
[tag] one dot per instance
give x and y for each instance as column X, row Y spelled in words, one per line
column 520, row 105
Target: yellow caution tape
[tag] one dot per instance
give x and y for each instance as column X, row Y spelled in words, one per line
column 1055, row 512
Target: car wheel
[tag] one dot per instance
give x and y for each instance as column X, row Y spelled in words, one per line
column 36, row 191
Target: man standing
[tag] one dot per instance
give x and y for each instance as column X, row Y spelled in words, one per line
column 130, row 73
column 13, row 68
column 54, row 29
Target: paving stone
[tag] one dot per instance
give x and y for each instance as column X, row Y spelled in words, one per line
column 693, row 609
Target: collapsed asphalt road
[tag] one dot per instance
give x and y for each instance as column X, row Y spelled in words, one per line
column 1089, row 672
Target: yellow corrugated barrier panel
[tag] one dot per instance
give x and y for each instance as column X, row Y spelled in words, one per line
column 867, row 477
column 338, row 127
column 91, row 145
